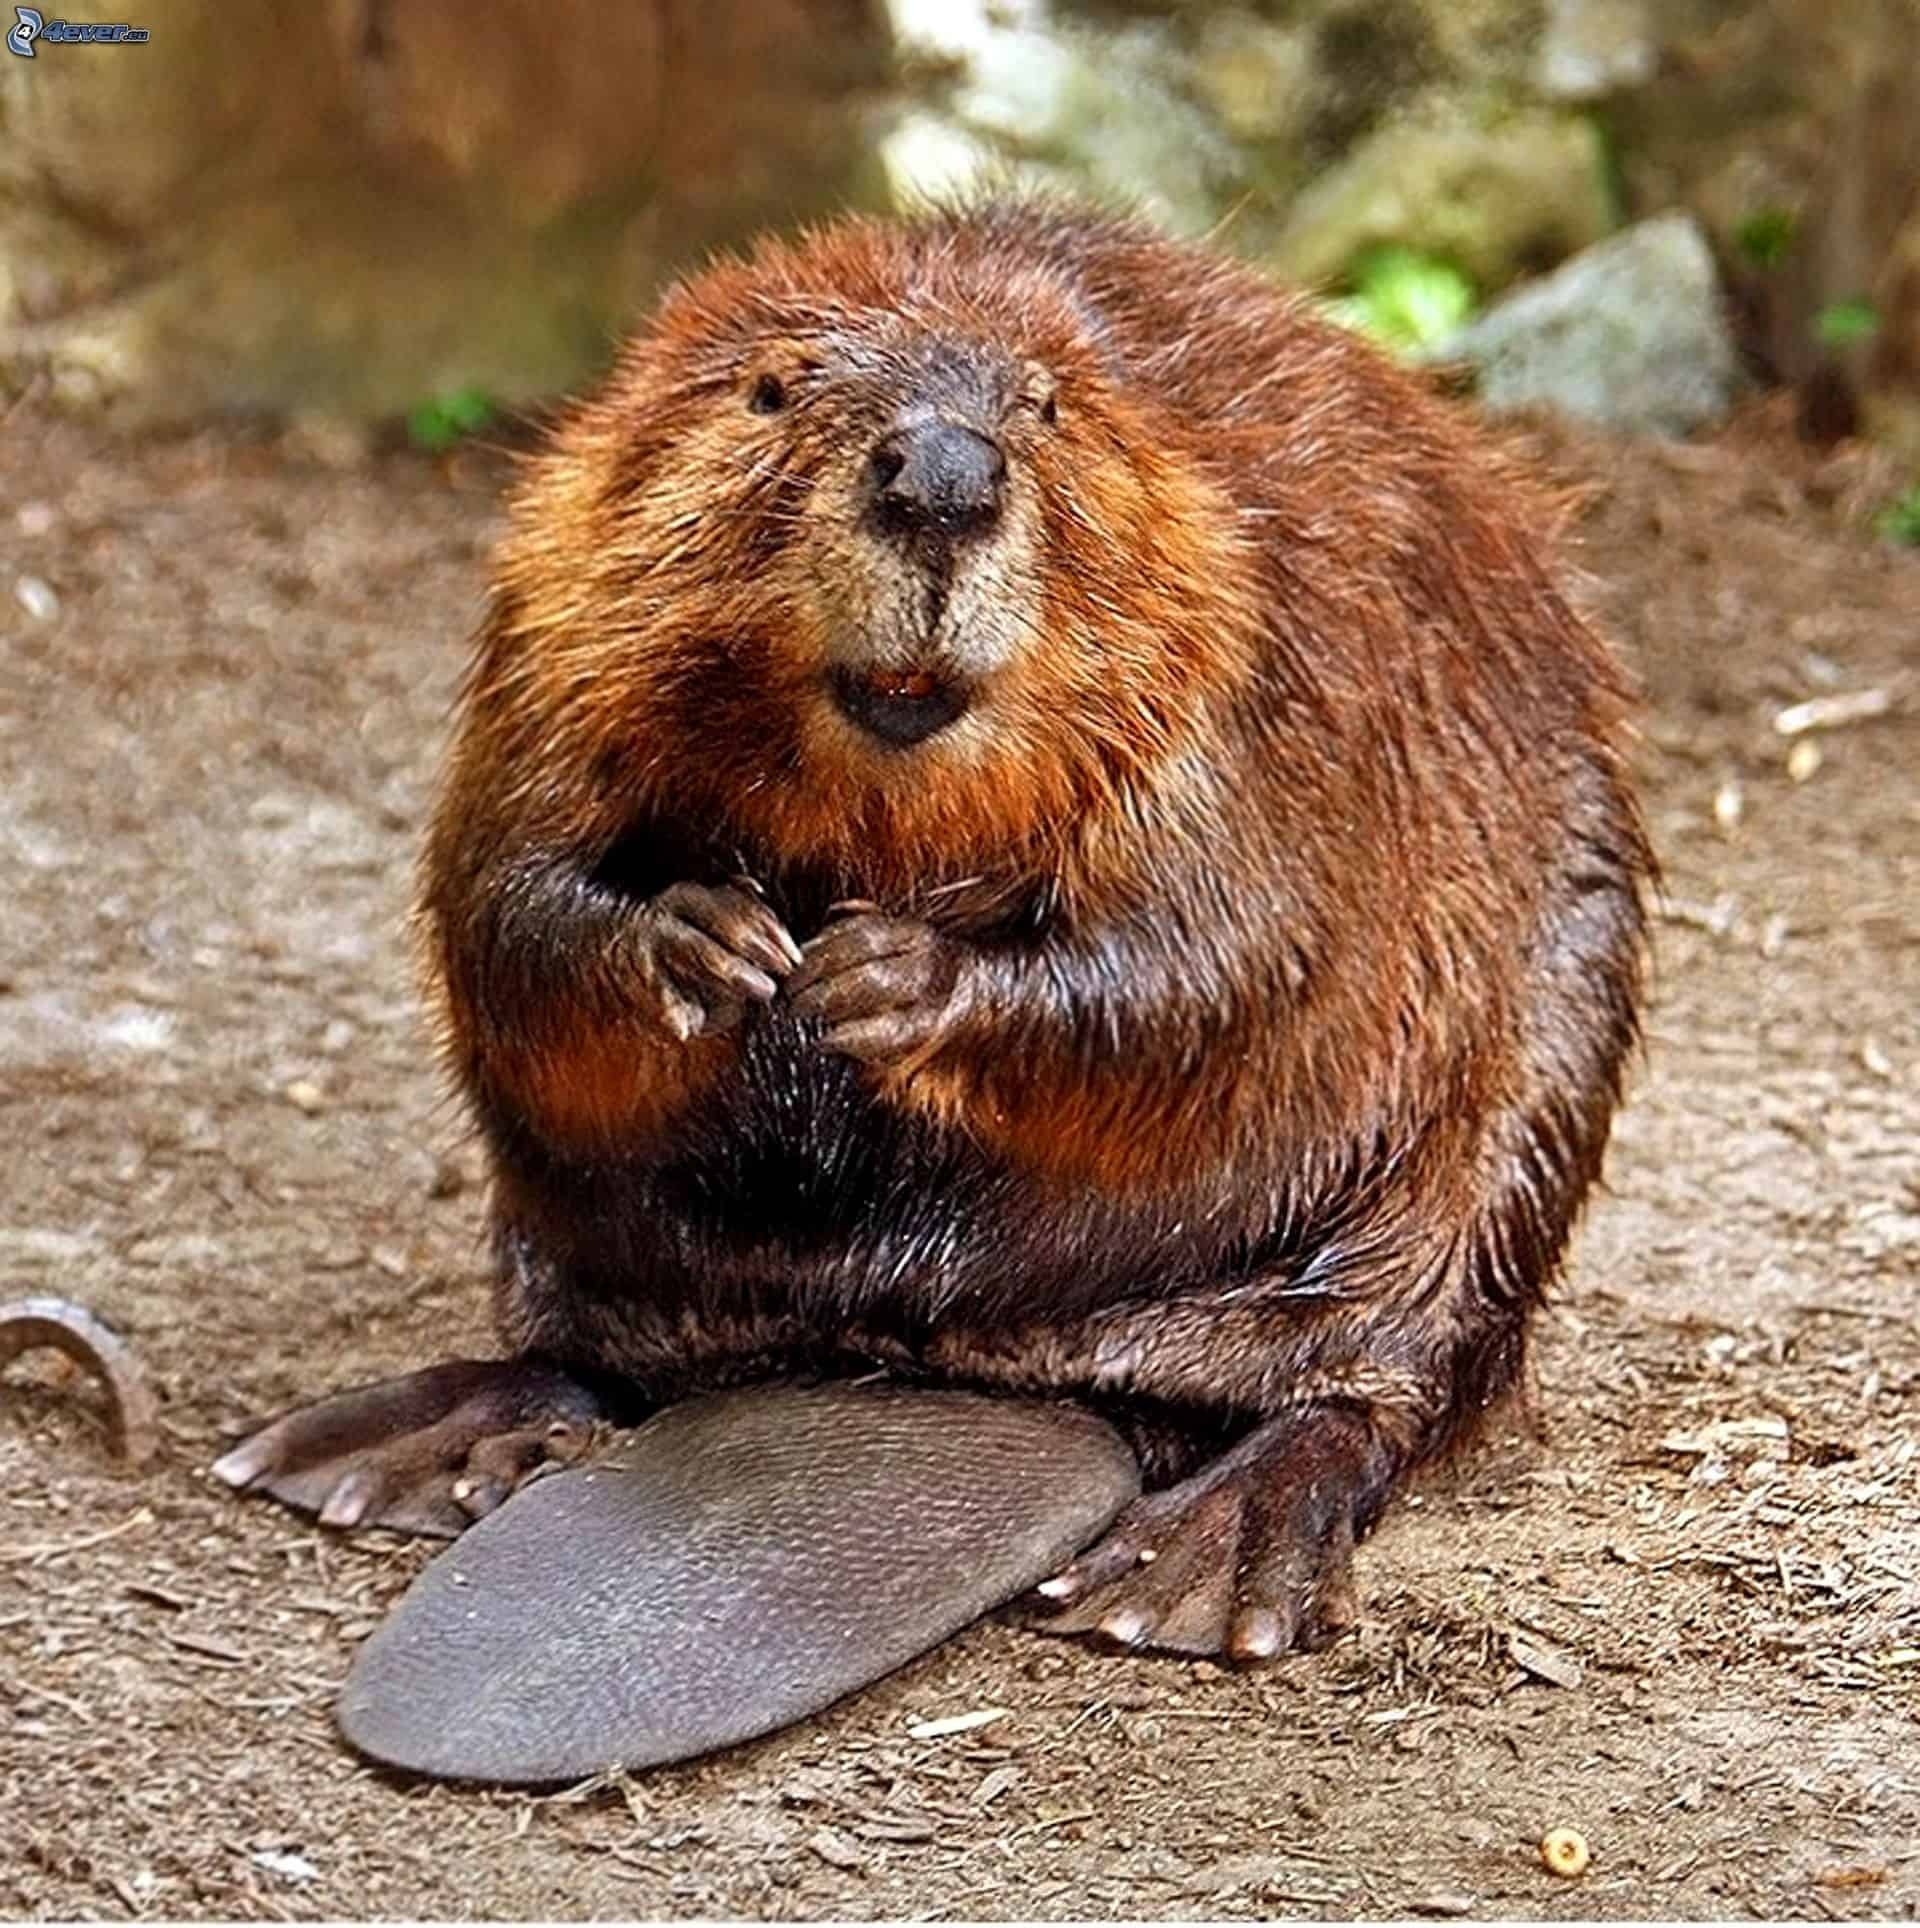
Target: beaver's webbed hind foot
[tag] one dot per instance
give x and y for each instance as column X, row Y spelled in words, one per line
column 1250, row 1557
column 429, row 1452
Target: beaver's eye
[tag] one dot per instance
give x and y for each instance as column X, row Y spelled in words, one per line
column 769, row 395
column 1038, row 393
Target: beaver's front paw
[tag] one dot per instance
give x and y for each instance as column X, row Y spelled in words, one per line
column 885, row 988
column 709, row 952
column 1250, row 1557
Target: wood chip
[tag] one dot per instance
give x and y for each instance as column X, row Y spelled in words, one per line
column 1832, row 712
column 897, row 1830
column 1545, row 1661
column 289, row 1867
column 934, row 1730
column 209, row 1645
column 836, row 1850
column 39, row 1551
column 156, row 1595
column 1856, row 1877
column 1766, row 1436
column 77, row 1708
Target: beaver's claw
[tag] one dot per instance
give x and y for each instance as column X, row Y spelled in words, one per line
column 883, row 988
column 1249, row 1558
column 710, row 952
column 426, row 1453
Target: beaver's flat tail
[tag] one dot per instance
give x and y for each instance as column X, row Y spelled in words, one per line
column 736, row 1564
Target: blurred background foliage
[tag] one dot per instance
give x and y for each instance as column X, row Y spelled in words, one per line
column 356, row 212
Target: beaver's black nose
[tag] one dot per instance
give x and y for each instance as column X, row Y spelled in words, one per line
column 936, row 479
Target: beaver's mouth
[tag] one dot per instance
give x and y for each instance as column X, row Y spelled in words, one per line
column 899, row 706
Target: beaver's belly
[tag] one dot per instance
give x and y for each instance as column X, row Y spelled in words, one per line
column 797, row 1213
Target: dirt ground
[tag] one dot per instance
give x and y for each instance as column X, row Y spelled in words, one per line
column 1685, row 1619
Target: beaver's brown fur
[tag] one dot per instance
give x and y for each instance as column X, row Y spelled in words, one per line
column 1242, row 955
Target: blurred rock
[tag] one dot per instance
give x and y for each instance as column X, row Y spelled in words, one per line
column 360, row 209
column 1257, row 77
column 355, row 206
column 1792, row 130
column 1301, row 137
column 1592, row 48
column 1495, row 200
column 1030, row 100
column 1629, row 335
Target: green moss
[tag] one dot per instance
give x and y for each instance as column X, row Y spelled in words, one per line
column 1765, row 237
column 1900, row 519
column 442, row 420
column 1845, row 324
column 1405, row 299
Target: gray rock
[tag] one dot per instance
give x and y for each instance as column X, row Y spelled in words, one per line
column 1628, row 334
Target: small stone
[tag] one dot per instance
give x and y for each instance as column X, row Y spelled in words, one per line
column 1256, row 76
column 36, row 596
column 1804, row 760
column 289, row 1867
column 304, row 1095
column 78, row 390
column 35, row 519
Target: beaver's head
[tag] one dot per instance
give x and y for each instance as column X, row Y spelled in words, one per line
column 878, row 552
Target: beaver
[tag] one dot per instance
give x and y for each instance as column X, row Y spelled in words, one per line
column 1030, row 815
